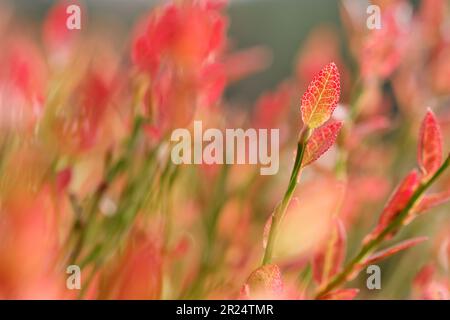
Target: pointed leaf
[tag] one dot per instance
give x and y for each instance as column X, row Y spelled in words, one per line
column 320, row 141
column 63, row 179
column 317, row 267
column 338, row 247
column 430, row 287
column 396, row 204
column 321, row 97
column 378, row 256
column 266, row 232
column 428, row 202
column 341, row 294
column 425, row 276
column 430, row 145
column 328, row 261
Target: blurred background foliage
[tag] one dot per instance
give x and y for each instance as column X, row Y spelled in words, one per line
column 282, row 26
column 279, row 25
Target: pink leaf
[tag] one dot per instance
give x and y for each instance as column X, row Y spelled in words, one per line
column 396, row 204
column 321, row 97
column 425, row 276
column 338, row 247
column 63, row 179
column 430, row 287
column 317, row 267
column 272, row 107
column 378, row 256
column 265, row 281
column 428, row 202
column 330, row 258
column 341, row 294
column 266, row 232
column 320, row 141
column 430, row 145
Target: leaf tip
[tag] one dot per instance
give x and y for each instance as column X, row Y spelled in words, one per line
column 429, row 155
column 321, row 97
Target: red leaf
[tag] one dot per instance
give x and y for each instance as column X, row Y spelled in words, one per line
column 430, row 287
column 430, row 145
column 330, row 258
column 263, row 282
column 137, row 274
column 245, row 62
column 341, row 294
column 321, row 97
column 378, row 256
column 63, row 179
column 320, row 141
column 272, row 107
column 317, row 267
column 396, row 204
column 428, row 202
column 338, row 246
column 425, row 276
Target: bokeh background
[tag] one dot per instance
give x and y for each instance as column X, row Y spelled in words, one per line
column 281, row 26
column 197, row 232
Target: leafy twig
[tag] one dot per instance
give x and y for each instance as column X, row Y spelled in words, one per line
column 374, row 243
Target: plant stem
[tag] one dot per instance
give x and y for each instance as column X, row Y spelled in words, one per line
column 219, row 198
column 110, row 174
column 280, row 210
column 90, row 215
column 393, row 226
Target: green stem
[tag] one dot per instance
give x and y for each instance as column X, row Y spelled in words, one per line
column 280, row 210
column 219, row 198
column 110, row 175
column 90, row 215
column 393, row 226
